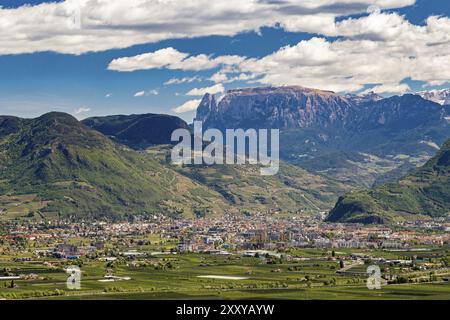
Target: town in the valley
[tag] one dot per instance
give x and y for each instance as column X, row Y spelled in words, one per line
column 234, row 256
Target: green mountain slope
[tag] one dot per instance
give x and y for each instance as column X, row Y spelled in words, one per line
column 79, row 172
column 138, row 130
column 425, row 192
column 55, row 166
column 292, row 190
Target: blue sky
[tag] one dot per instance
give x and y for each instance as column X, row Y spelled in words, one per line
column 47, row 77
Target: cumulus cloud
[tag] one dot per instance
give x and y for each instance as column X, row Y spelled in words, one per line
column 389, row 88
column 139, row 94
column 152, row 60
column 81, row 110
column 80, row 26
column 143, row 93
column 379, row 49
column 171, row 58
column 183, row 80
column 217, row 88
column 382, row 49
column 190, row 105
column 222, row 76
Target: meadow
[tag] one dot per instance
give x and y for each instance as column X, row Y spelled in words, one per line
column 299, row 274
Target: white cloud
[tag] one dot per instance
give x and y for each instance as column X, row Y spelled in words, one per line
column 221, row 76
column 183, row 80
column 217, row 88
column 171, row 58
column 108, row 95
column 389, row 88
column 143, row 93
column 107, row 24
column 81, row 110
column 190, row 105
column 139, row 94
column 153, row 60
column 382, row 49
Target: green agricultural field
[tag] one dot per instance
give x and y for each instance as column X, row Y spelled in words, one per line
column 311, row 274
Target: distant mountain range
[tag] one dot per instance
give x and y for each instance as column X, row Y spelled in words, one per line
column 137, row 131
column 116, row 166
column 439, row 96
column 75, row 170
column 425, row 192
column 359, row 140
column 303, row 108
column 62, row 168
column 281, row 107
column 355, row 139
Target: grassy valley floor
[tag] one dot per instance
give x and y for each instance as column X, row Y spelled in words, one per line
column 307, row 274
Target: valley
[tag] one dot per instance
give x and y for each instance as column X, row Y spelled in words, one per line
column 74, row 171
column 115, row 167
column 216, row 153
column 235, row 257
column 102, row 195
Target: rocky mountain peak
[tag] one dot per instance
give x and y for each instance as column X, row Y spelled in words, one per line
column 439, row 96
column 274, row 107
column 206, row 106
column 363, row 98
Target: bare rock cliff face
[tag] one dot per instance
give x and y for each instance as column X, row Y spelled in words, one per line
column 282, row 107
